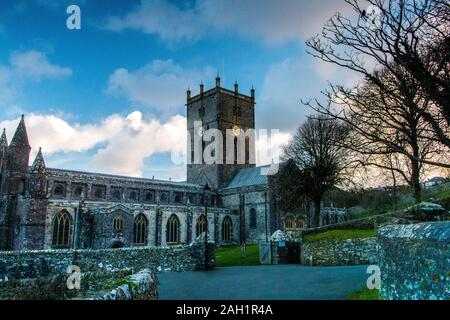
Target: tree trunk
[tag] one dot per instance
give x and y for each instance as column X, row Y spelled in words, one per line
column 316, row 216
column 415, row 180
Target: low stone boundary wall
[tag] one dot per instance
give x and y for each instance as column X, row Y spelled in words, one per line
column 45, row 263
column 339, row 252
column 139, row 286
column 415, row 261
column 114, row 285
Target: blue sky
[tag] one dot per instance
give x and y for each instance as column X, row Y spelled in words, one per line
column 110, row 97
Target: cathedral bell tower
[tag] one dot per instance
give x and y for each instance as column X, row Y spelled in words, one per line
column 230, row 113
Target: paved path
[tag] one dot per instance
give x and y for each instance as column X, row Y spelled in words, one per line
column 278, row 282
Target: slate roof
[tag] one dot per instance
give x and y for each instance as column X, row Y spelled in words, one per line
column 248, row 177
column 55, row 171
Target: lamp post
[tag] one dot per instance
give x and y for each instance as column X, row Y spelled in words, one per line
column 206, row 189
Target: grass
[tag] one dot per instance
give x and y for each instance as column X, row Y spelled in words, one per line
column 364, row 294
column 340, row 234
column 231, row 256
column 443, row 194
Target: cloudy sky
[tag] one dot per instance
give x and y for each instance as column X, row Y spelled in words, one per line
column 110, row 97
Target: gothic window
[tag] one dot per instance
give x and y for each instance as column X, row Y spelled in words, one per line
column 201, row 225
column 191, row 198
column 22, row 187
column 164, row 197
column 252, row 218
column 140, row 230
column 148, row 196
column 173, row 230
column 78, row 191
column 98, row 193
column 116, row 194
column 178, row 197
column 59, row 190
column 118, row 223
column 227, row 229
column 300, row 223
column 62, row 230
column 289, row 222
column 247, row 150
column 133, row 195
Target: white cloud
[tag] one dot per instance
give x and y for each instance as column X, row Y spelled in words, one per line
column 124, row 141
column 139, row 139
column 289, row 82
column 273, row 21
column 162, row 18
column 161, row 84
column 34, row 65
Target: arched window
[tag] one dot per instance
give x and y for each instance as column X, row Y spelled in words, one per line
column 289, row 222
column 140, row 230
column 178, row 197
column 98, row 193
column 22, row 184
column 133, row 195
column 252, row 218
column 201, row 225
column 116, row 194
column 62, row 230
column 191, row 198
column 173, row 230
column 164, row 198
column 247, row 150
column 227, row 229
column 148, row 196
column 78, row 191
column 118, row 223
column 300, row 223
column 59, row 190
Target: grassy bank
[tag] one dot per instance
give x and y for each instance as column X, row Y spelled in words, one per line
column 232, row 256
column 364, row 294
column 340, row 234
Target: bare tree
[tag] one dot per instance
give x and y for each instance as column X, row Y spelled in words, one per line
column 411, row 34
column 321, row 161
column 387, row 123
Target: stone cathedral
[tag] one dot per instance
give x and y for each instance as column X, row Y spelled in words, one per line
column 47, row 208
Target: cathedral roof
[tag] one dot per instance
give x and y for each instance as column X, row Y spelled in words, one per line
column 95, row 175
column 39, row 163
column 20, row 137
column 249, row 177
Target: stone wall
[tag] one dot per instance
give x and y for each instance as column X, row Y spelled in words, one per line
column 101, row 285
column 339, row 252
column 36, row 264
column 138, row 286
column 415, row 261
